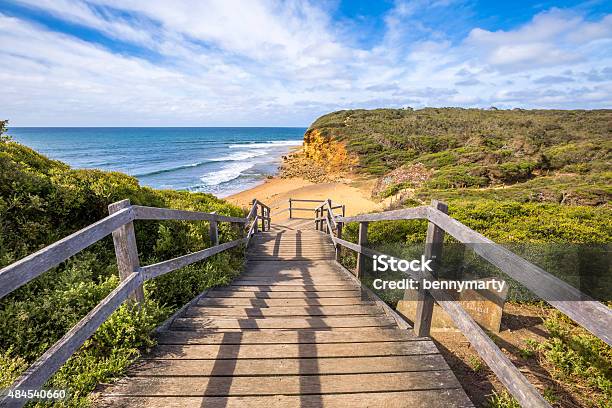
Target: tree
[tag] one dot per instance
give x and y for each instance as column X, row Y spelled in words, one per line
column 3, row 128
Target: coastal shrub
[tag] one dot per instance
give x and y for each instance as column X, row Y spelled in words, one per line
column 42, row 201
column 513, row 172
column 458, row 177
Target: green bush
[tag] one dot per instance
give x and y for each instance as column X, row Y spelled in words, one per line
column 42, row 201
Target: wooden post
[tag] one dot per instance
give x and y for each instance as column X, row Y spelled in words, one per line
column 433, row 250
column 263, row 218
column 256, row 220
column 329, row 214
column 290, row 216
column 362, row 241
column 338, row 246
column 317, row 219
column 126, row 250
column 343, row 210
column 214, row 233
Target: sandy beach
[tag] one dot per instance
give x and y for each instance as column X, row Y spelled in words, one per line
column 276, row 192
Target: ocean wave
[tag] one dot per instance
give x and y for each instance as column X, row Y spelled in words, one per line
column 171, row 169
column 229, row 173
column 264, row 145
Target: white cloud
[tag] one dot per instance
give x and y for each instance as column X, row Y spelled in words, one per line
column 266, row 63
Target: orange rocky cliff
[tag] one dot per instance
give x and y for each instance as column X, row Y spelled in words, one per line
column 327, row 152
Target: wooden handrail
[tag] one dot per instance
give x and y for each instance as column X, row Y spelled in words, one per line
column 414, row 213
column 122, row 215
column 21, row 272
column 305, row 201
column 585, row 311
column 590, row 314
column 162, row 268
column 154, row 213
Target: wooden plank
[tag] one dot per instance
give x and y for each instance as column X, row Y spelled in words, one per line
column 433, row 250
column 52, row 359
column 126, row 250
column 447, row 398
column 21, row 272
column 291, row 288
column 154, row 213
column 217, row 293
column 161, row 268
column 414, row 213
column 590, row 314
column 288, row 385
column 287, row 366
column 303, row 252
column 200, row 311
column 292, row 258
column 281, row 351
column 290, row 281
column 363, row 335
column 208, row 301
column 253, row 213
column 280, row 323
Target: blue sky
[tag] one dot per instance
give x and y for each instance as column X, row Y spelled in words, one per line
column 265, row 63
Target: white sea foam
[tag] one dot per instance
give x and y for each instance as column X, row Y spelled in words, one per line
column 228, row 173
column 238, row 156
column 266, row 145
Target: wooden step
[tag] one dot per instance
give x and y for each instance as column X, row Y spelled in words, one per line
column 447, row 398
column 363, row 335
column 274, row 303
column 283, row 323
column 283, row 294
column 199, row 311
column 288, row 280
column 291, row 288
column 287, row 385
column 281, row 351
column 287, row 366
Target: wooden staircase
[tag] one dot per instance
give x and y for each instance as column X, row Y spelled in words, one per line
column 296, row 328
column 293, row 330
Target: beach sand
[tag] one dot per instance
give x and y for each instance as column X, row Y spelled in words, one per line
column 276, row 192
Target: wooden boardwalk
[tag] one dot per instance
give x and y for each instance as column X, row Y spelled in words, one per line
column 294, row 330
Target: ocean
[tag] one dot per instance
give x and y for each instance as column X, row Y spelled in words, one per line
column 221, row 161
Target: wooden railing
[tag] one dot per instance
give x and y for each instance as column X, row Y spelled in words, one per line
column 132, row 275
column 590, row 314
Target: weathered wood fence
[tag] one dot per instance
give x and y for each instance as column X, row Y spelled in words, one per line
column 120, row 223
column 590, row 314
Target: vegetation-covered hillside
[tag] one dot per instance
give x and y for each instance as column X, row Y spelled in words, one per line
column 41, row 201
column 536, row 155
